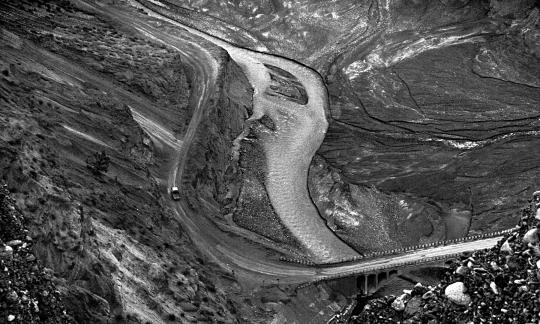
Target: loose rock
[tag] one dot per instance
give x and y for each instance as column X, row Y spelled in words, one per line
column 531, row 236
column 12, row 296
column 493, row 287
column 462, row 270
column 399, row 304
column 456, row 293
column 495, row 266
column 6, row 252
column 536, row 199
column 508, row 281
column 428, row 295
column 413, row 306
column 506, row 247
column 13, row 243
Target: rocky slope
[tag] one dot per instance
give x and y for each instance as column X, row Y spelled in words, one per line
column 71, row 81
column 492, row 286
column 27, row 290
column 370, row 220
column 416, row 134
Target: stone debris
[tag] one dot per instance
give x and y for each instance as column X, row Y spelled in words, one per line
column 461, row 270
column 506, row 247
column 493, row 287
column 499, row 285
column 536, row 199
column 27, row 294
column 6, row 252
column 494, row 266
column 428, row 295
column 14, row 243
column 456, row 293
column 414, row 306
column 399, row 303
column 531, row 236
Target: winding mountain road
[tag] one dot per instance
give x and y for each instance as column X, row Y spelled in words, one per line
column 300, row 130
column 289, row 149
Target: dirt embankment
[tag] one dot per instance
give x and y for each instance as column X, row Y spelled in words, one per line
column 68, row 80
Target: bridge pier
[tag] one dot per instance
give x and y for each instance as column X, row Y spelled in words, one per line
column 368, row 283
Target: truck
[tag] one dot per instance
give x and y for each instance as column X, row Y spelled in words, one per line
column 175, row 193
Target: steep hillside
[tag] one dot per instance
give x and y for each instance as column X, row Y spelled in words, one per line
column 71, row 83
column 433, row 131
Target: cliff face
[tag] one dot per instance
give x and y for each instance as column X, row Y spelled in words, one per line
column 69, row 84
column 212, row 169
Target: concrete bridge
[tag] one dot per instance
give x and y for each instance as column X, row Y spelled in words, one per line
column 369, row 283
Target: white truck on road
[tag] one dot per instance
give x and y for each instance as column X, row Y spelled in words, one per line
column 175, row 193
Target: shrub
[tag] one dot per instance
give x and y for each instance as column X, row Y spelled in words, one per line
column 98, row 163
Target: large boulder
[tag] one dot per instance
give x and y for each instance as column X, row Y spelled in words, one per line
column 399, row 303
column 531, row 236
column 456, row 293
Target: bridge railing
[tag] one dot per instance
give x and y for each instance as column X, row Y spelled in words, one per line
column 377, row 269
column 379, row 254
column 380, row 268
